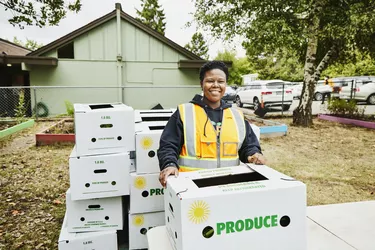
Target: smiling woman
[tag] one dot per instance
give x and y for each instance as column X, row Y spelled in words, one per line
column 207, row 132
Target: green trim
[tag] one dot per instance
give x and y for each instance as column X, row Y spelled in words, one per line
column 16, row 128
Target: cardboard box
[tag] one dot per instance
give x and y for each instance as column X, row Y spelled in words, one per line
column 99, row 176
column 236, row 208
column 105, row 240
column 104, row 128
column 146, row 193
column 139, row 224
column 94, row 215
column 147, row 145
column 153, row 115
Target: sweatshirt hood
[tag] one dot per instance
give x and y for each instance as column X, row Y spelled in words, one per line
column 198, row 99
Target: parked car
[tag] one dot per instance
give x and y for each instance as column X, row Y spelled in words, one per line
column 229, row 95
column 320, row 90
column 362, row 91
column 266, row 92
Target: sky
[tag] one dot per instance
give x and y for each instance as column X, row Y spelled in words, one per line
column 176, row 12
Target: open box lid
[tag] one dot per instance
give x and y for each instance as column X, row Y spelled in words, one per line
column 100, row 107
column 230, row 180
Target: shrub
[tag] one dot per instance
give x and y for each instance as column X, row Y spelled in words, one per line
column 69, row 108
column 345, row 108
column 20, row 110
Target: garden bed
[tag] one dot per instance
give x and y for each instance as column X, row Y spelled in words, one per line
column 366, row 122
column 60, row 133
column 10, row 127
column 268, row 128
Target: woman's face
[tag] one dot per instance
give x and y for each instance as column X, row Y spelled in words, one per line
column 214, row 84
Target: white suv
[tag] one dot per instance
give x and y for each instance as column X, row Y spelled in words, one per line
column 362, row 91
column 266, row 92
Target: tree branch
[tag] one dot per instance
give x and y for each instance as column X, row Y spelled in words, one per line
column 324, row 62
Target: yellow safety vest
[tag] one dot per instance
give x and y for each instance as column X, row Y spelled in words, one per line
column 201, row 151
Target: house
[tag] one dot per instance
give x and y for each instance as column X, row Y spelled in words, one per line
column 11, row 74
column 115, row 58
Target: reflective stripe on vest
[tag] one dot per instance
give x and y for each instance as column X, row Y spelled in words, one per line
column 201, row 151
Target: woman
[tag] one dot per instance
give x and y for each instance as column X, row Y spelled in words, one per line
column 207, row 132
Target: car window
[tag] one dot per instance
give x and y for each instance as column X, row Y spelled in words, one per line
column 275, row 85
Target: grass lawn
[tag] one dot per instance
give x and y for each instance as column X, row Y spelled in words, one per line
column 337, row 162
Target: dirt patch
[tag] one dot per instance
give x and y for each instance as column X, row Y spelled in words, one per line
column 335, row 161
column 4, row 126
column 22, row 140
column 63, row 127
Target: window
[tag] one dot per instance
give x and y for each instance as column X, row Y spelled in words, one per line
column 66, row 51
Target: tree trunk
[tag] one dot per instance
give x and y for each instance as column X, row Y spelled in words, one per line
column 302, row 115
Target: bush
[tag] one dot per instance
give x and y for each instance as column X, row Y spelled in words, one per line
column 345, row 108
column 69, row 108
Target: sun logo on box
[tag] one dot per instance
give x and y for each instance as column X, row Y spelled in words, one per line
column 146, row 142
column 138, row 220
column 140, row 182
column 199, row 212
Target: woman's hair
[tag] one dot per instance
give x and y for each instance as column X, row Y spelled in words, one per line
column 213, row 65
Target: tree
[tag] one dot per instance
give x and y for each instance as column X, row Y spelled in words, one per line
column 318, row 31
column 361, row 65
column 152, row 15
column 198, row 45
column 283, row 64
column 38, row 12
column 30, row 44
column 240, row 66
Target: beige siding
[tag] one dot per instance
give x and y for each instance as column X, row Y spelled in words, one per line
column 74, row 73
column 147, row 62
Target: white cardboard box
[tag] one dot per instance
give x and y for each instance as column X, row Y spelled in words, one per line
column 146, row 193
column 236, row 208
column 145, row 115
column 139, row 224
column 147, row 145
column 104, row 128
column 94, row 215
column 105, row 240
column 99, row 176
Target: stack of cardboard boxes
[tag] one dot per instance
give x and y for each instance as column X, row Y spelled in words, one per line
column 99, row 168
column 113, row 162
column 146, row 193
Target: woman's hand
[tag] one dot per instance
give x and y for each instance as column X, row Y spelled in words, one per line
column 257, row 158
column 167, row 172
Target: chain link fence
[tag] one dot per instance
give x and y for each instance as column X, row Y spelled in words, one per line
column 46, row 102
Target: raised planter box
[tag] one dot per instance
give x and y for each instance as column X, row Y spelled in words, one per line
column 354, row 122
column 45, row 138
column 16, row 128
column 269, row 128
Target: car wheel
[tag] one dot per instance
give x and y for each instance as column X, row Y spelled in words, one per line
column 371, row 99
column 286, row 107
column 238, row 102
column 256, row 103
column 318, row 96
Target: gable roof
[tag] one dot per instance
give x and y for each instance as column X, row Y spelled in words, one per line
column 71, row 36
column 10, row 48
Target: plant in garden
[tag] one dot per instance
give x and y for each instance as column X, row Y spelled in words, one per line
column 69, row 108
column 20, row 110
column 343, row 108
